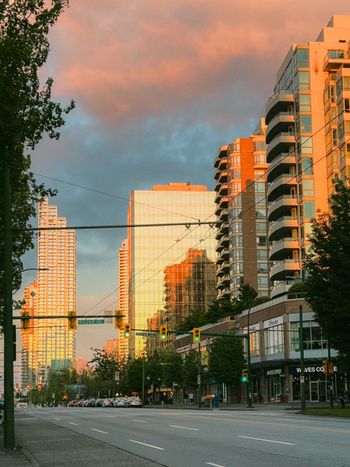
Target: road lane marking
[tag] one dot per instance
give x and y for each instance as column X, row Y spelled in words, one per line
column 136, row 420
column 99, row 431
column 72, row 423
column 145, row 444
column 266, row 440
column 57, row 419
column 184, row 427
column 215, row 465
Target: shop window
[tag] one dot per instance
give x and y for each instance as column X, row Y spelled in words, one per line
column 273, row 338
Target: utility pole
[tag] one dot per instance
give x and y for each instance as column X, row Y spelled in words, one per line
column 9, row 426
column 302, row 367
column 143, row 380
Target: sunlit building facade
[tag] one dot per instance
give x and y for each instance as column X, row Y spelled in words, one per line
column 123, row 300
column 241, row 212
column 56, row 293
column 308, row 132
column 153, row 249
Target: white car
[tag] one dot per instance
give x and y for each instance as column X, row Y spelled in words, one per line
column 135, row 402
column 121, row 402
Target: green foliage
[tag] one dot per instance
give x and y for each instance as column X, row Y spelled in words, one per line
column 226, row 360
column 327, row 268
column 190, row 368
column 27, row 111
column 195, row 319
column 104, row 365
column 220, row 309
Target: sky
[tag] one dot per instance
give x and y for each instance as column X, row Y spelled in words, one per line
column 159, row 86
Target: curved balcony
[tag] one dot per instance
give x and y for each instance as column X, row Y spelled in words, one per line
column 281, row 143
column 218, row 198
column 223, row 269
column 225, row 240
column 219, row 235
column 282, row 248
column 282, row 227
column 279, row 289
column 282, row 101
column 281, row 206
column 282, row 269
column 281, row 164
column 223, row 282
column 280, row 186
column 223, row 190
column 223, row 215
column 218, row 209
column 279, row 124
column 224, row 294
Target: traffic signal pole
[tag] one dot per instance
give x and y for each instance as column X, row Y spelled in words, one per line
column 330, row 378
column 250, row 381
column 9, row 425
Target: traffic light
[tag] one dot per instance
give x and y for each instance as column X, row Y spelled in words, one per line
column 127, row 330
column 72, row 321
column 244, row 377
column 196, row 333
column 163, row 332
column 118, row 320
column 326, row 366
column 25, row 320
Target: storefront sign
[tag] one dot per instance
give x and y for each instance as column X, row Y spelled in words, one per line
column 308, row 369
column 275, row 371
column 273, row 322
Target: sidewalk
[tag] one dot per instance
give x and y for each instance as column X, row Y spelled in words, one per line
column 43, row 444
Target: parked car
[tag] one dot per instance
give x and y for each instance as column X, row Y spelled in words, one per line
column 72, row 403
column 135, row 402
column 81, row 403
column 107, row 403
column 99, row 402
column 121, row 402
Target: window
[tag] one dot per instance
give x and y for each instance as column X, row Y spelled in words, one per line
column 262, row 267
column 260, row 186
column 263, row 281
column 273, row 338
column 254, row 344
column 312, row 336
column 261, row 227
column 305, row 124
column 259, row 146
column 335, row 53
column 261, row 254
column 259, row 159
column 307, row 165
column 308, row 187
column 304, row 102
column 261, row 240
column 306, row 145
column 301, row 58
column 346, row 83
column 303, row 80
column 309, row 209
column 347, row 105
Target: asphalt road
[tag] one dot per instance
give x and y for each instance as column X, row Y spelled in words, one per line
column 181, row 438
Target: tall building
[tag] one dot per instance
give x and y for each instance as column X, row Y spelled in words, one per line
column 308, row 129
column 123, row 294
column 241, row 210
column 152, row 249
column 53, row 344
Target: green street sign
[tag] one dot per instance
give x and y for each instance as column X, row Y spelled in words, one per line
column 91, row 321
column 147, row 334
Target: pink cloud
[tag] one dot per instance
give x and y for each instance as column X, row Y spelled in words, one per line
column 129, row 59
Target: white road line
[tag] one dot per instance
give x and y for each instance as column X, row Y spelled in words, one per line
column 99, row 431
column 184, row 427
column 72, row 423
column 136, row 420
column 145, row 444
column 266, row 440
column 215, row 465
column 57, row 419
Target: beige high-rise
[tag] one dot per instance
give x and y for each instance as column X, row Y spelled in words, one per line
column 53, row 345
column 308, row 138
column 123, row 305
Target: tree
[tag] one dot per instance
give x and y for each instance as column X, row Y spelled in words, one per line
column 220, row 309
column 226, row 360
column 327, row 267
column 27, row 112
column 195, row 319
column 104, row 365
column 190, row 369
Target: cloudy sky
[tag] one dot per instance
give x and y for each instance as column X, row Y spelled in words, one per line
column 159, row 85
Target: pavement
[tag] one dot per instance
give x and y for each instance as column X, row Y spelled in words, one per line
column 42, row 441
column 44, row 444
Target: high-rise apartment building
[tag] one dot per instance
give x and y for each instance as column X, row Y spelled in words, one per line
column 308, row 135
column 123, row 297
column 241, row 210
column 53, row 344
column 152, row 249
column 27, row 337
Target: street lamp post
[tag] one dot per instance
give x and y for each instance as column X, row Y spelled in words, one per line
column 249, row 382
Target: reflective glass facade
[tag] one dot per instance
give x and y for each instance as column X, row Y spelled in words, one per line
column 159, row 254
